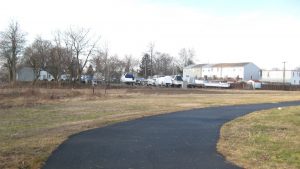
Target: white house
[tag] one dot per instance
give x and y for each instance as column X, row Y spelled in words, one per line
column 193, row 71
column 243, row 71
column 277, row 76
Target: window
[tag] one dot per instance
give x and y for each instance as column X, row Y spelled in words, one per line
column 268, row 74
column 293, row 74
column 179, row 78
column 129, row 76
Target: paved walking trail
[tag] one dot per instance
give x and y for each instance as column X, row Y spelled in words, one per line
column 181, row 140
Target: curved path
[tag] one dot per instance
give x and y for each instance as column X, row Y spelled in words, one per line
column 181, row 140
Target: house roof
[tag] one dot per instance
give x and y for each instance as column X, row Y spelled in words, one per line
column 195, row 66
column 230, row 64
column 199, row 65
column 241, row 64
column 254, row 81
column 280, row 70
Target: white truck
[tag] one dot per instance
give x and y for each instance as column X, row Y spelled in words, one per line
column 177, row 81
column 128, row 78
column 151, row 81
column 164, row 81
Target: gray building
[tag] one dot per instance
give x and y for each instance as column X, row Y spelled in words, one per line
column 25, row 74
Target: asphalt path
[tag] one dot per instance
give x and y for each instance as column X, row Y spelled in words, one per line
column 180, row 140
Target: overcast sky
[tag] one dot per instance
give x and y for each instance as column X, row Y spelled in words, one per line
column 266, row 32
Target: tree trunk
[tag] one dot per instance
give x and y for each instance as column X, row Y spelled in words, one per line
column 14, row 74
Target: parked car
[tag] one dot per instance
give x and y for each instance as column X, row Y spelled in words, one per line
column 140, row 81
column 65, row 77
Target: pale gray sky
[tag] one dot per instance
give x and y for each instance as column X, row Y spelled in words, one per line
column 266, row 32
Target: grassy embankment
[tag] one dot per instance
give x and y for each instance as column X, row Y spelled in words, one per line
column 266, row 139
column 34, row 122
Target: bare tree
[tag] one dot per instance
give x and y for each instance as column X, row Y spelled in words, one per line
column 129, row 63
column 106, row 64
column 83, row 46
column 12, row 43
column 100, row 63
column 151, row 54
column 111, row 67
column 60, row 60
column 163, row 64
column 185, row 57
column 144, row 67
column 37, row 55
column 115, row 68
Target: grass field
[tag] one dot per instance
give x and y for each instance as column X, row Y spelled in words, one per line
column 265, row 140
column 35, row 121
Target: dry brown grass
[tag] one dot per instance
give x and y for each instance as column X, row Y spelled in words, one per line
column 263, row 140
column 34, row 123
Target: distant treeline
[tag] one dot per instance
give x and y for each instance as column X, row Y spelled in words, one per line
column 77, row 51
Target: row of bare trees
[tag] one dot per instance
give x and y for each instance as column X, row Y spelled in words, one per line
column 76, row 51
column 158, row 63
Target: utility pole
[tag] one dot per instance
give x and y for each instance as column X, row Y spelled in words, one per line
column 145, row 67
column 151, row 51
column 221, row 72
column 284, row 73
column 173, row 71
